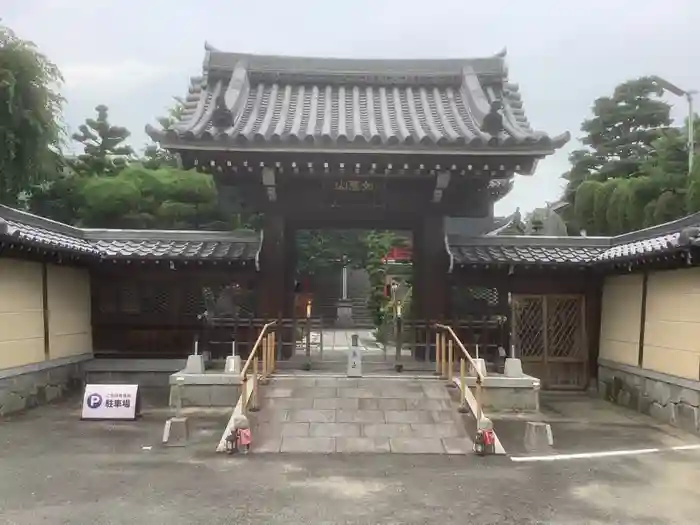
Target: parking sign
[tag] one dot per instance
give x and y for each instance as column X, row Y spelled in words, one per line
column 110, row 402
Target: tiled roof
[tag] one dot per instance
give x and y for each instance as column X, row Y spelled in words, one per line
column 257, row 101
column 525, row 250
column 30, row 230
column 652, row 242
column 200, row 246
column 42, row 234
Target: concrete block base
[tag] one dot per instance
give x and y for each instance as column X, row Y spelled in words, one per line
column 538, row 436
column 233, row 364
column 513, row 367
column 176, row 432
column 204, row 390
column 195, row 364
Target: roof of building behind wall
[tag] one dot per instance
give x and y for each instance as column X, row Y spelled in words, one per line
column 244, row 101
column 648, row 244
column 31, row 231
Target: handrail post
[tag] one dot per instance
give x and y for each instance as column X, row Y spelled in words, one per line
column 438, row 350
column 244, row 394
column 254, row 394
column 273, row 347
column 462, row 387
column 450, row 362
column 443, row 357
column 480, row 412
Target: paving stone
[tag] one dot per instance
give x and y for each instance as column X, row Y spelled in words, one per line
column 408, row 416
column 362, row 444
column 314, row 392
column 335, row 403
column 401, row 393
column 294, row 382
column 335, row 382
column 407, row 445
column 458, row 445
column 360, row 416
column 287, row 403
column 391, row 404
column 386, row 430
column 444, row 416
column 436, row 392
column 322, row 445
column 271, row 414
column 368, row 404
column 273, row 444
column 275, row 391
column 436, row 430
column 294, row 429
column 334, row 430
column 427, row 404
column 355, row 393
column 312, row 416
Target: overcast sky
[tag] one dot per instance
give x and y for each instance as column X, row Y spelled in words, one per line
column 134, row 55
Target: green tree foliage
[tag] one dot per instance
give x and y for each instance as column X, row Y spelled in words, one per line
column 104, row 151
column 633, row 171
column 141, row 198
column 30, row 109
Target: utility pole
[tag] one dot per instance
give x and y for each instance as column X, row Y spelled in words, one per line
column 688, row 95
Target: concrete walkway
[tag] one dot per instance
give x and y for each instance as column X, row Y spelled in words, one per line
column 335, row 414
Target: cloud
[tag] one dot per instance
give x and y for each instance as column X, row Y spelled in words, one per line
column 120, row 78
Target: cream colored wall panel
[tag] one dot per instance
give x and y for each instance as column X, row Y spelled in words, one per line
column 21, row 352
column 21, row 325
column 20, row 285
column 70, row 345
column 671, row 334
column 672, row 361
column 70, row 330
column 621, row 318
column 620, row 352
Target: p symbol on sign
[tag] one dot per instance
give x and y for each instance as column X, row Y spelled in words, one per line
column 94, row 400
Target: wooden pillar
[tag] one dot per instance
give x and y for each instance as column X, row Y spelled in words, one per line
column 272, row 267
column 431, row 263
column 277, row 267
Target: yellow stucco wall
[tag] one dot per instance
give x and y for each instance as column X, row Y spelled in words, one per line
column 672, row 328
column 70, row 331
column 22, row 315
column 621, row 319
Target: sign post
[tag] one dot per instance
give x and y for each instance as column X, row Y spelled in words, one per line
column 110, row 402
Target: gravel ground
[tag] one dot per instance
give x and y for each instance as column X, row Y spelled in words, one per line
column 56, row 469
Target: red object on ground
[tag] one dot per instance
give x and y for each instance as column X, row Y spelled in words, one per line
column 244, row 436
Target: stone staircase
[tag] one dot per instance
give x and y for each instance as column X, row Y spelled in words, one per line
column 324, row 414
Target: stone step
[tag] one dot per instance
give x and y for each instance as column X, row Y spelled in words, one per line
column 336, row 414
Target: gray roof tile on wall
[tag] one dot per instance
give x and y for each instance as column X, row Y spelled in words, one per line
column 249, row 100
column 634, row 246
column 31, row 230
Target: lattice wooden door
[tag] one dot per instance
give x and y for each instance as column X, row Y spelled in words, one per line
column 550, row 338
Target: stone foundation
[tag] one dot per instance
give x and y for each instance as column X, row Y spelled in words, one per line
column 669, row 399
column 152, row 375
column 29, row 386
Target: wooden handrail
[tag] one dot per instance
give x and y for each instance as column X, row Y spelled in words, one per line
column 256, row 347
column 479, row 375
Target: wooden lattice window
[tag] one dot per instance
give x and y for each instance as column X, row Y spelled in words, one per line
column 528, row 325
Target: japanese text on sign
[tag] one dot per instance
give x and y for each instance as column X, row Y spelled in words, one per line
column 110, row 402
column 354, row 185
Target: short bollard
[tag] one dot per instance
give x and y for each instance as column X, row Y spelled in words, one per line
column 355, row 340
